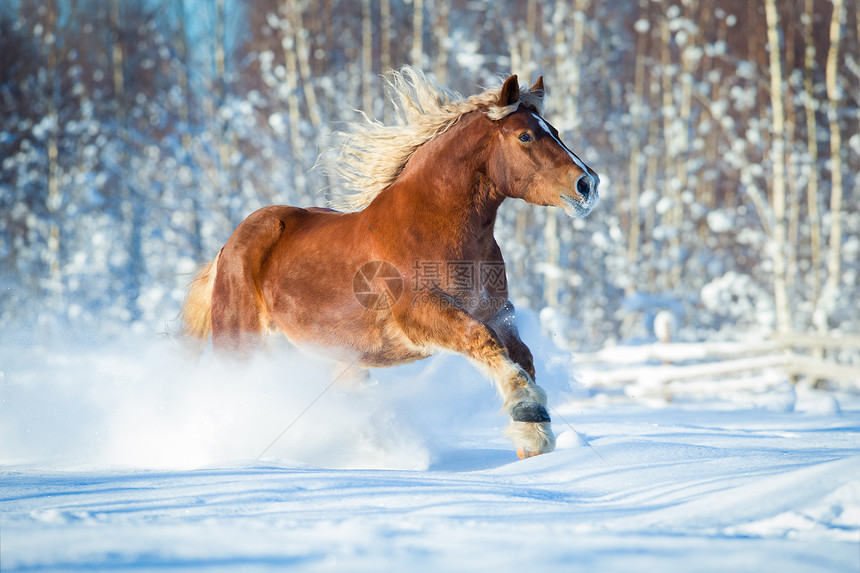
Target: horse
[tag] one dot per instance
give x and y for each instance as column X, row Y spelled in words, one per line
column 408, row 265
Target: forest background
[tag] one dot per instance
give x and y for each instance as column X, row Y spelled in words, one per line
column 136, row 134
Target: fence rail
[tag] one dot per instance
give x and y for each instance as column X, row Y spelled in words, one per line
column 657, row 365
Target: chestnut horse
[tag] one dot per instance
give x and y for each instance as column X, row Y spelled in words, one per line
column 413, row 267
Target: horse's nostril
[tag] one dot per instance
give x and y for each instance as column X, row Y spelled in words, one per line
column 584, row 186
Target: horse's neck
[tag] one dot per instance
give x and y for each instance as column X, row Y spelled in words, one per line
column 442, row 189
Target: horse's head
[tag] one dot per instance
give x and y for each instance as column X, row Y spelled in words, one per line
column 532, row 163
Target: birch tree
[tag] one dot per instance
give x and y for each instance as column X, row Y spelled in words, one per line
column 366, row 57
column 219, row 54
column 809, row 108
column 637, row 108
column 303, row 58
column 417, row 32
column 834, row 97
column 385, row 35
column 54, row 199
column 288, row 47
column 441, row 33
column 778, row 238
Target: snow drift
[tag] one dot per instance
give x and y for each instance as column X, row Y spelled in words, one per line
column 129, row 455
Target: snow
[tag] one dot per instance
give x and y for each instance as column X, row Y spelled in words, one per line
column 720, row 221
column 129, row 454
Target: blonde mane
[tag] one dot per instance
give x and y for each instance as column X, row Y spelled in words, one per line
column 372, row 154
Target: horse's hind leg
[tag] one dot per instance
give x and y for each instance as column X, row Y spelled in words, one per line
column 239, row 316
column 440, row 321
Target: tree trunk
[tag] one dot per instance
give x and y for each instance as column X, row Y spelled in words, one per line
column 226, row 143
column 792, row 159
column 670, row 125
column 441, row 32
column 778, row 240
column 303, row 56
column 812, row 198
column 576, row 46
column 219, row 54
column 531, row 38
column 417, row 32
column 196, row 238
column 552, row 246
column 54, row 200
column 634, row 166
column 366, row 57
column 288, row 45
column 834, row 97
column 385, row 35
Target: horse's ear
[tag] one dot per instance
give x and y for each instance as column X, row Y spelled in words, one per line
column 538, row 88
column 510, row 92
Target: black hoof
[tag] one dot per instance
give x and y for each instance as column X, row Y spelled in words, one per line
column 529, row 412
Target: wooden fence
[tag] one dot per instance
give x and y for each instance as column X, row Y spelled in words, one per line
column 796, row 356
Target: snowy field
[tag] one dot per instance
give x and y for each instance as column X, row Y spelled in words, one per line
column 131, row 456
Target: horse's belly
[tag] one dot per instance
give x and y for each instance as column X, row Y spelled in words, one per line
column 358, row 343
column 348, row 334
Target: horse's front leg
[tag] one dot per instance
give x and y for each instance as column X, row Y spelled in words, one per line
column 437, row 319
column 504, row 324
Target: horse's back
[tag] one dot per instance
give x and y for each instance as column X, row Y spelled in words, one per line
column 266, row 226
column 294, row 270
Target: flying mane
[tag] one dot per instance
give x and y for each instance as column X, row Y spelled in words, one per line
column 373, row 154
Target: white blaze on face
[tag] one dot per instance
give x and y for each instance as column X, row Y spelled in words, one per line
column 573, row 157
column 582, row 206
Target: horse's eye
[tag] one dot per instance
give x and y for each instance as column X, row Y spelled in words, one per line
column 525, row 138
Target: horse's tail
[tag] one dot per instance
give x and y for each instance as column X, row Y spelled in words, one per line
column 196, row 315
